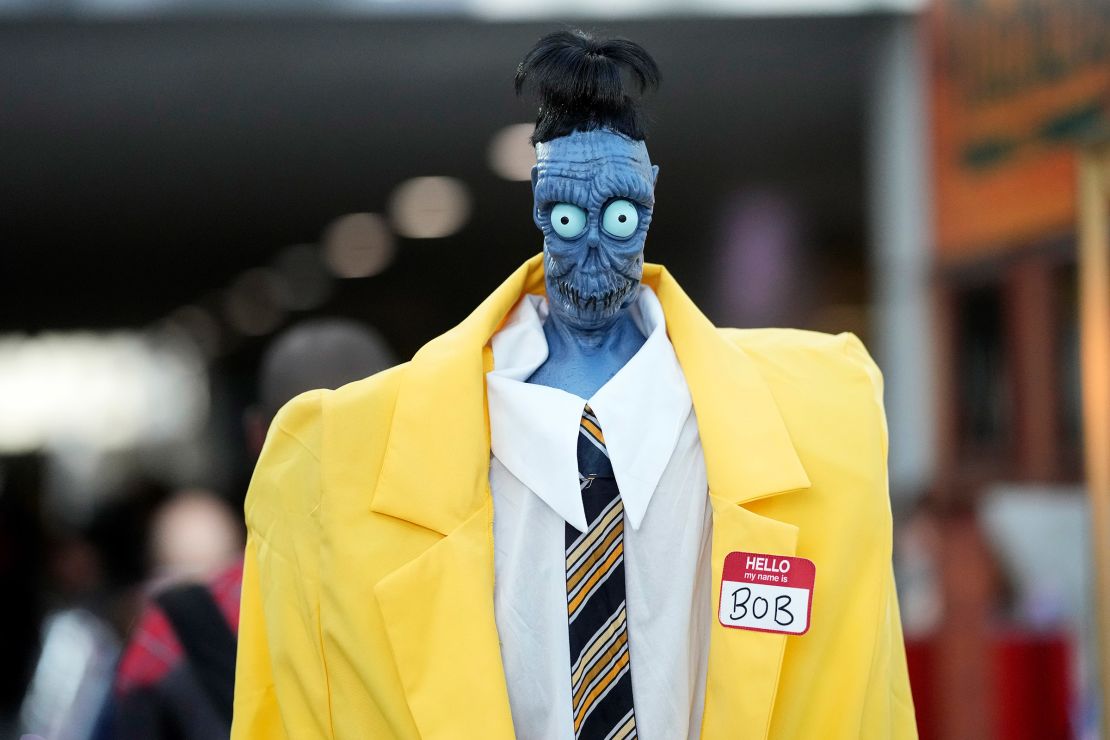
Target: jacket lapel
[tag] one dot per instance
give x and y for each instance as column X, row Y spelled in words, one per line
column 438, row 612
column 748, row 451
column 748, row 456
column 435, row 472
column 744, row 665
column 438, row 607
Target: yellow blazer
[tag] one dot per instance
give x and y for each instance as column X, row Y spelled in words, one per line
column 367, row 608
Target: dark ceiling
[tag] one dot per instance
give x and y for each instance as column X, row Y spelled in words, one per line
column 143, row 165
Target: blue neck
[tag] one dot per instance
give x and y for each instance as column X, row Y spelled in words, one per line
column 580, row 361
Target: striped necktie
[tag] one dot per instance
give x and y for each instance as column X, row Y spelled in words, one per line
column 601, row 679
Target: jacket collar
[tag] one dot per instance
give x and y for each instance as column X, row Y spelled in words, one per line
column 440, row 417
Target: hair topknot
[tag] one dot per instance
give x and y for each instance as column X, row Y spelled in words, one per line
column 579, row 83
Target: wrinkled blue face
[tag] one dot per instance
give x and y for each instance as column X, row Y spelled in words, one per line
column 594, row 192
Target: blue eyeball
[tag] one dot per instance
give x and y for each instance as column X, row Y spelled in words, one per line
column 620, row 219
column 568, row 220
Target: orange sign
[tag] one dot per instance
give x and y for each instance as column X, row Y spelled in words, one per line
column 1015, row 84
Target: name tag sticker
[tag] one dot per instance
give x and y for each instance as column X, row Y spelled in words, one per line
column 766, row 593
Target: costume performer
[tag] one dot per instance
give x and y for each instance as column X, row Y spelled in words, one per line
column 584, row 511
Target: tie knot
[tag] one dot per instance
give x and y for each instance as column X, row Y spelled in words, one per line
column 593, row 456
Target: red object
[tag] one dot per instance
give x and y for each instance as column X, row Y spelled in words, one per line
column 153, row 648
column 1031, row 679
column 1032, row 686
column 921, row 661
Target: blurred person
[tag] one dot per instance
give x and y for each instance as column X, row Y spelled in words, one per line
column 526, row 531
column 176, row 677
column 94, row 570
column 72, row 676
column 194, row 535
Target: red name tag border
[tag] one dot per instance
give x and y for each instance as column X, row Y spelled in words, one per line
column 739, row 568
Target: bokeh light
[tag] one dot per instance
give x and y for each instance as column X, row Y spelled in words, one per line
column 358, row 245
column 429, row 207
column 307, row 284
column 253, row 305
column 511, row 154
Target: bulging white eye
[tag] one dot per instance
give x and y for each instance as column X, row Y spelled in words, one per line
column 620, row 219
column 568, row 220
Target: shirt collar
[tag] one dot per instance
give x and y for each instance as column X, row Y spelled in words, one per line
column 534, row 428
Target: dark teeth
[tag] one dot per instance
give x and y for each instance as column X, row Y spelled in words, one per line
column 605, row 300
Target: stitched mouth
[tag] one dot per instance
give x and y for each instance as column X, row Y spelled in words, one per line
column 593, row 302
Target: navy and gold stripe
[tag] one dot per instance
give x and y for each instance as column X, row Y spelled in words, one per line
column 601, row 682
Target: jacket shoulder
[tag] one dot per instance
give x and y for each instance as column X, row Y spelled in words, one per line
column 820, row 382
column 303, row 417
column 764, row 341
column 802, row 353
column 371, row 398
column 302, row 436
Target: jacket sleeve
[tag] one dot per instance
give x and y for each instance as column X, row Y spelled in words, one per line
column 280, row 680
column 888, row 707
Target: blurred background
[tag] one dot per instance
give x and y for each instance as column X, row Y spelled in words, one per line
column 207, row 206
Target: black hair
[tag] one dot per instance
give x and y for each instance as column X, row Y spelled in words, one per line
column 578, row 79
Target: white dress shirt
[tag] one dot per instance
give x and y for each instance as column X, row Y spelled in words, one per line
column 652, row 437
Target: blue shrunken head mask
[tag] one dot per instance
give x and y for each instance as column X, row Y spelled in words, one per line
column 593, row 193
column 593, row 184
